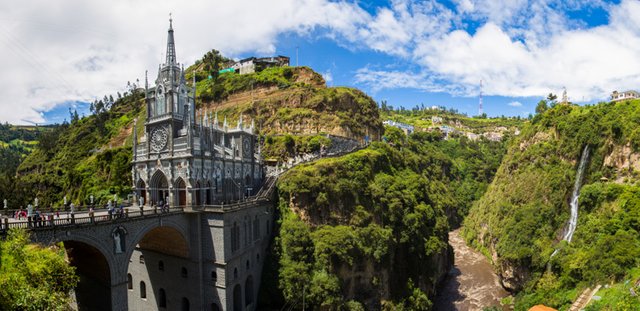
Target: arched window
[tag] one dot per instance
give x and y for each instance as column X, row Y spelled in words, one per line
column 246, row 233
column 235, row 273
column 184, row 273
column 162, row 298
column 248, row 291
column 143, row 290
column 185, row 304
column 142, row 259
column 256, row 229
column 214, row 276
column 235, row 239
column 161, row 265
column 237, row 298
column 248, row 265
column 258, row 257
column 129, row 281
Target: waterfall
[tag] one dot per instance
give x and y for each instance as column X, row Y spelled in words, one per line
column 573, row 220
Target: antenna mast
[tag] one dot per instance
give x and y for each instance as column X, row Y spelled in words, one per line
column 480, row 100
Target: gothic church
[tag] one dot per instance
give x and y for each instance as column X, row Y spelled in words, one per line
column 184, row 158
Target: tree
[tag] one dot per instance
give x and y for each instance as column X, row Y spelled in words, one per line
column 542, row 106
column 33, row 277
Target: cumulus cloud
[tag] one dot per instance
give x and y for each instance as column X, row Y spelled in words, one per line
column 515, row 104
column 550, row 51
column 69, row 50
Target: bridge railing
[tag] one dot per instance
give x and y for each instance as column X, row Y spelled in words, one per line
column 91, row 218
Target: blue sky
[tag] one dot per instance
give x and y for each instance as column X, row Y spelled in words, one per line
column 63, row 54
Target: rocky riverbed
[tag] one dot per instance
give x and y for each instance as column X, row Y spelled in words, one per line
column 471, row 284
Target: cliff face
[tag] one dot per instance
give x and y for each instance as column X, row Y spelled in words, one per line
column 520, row 220
column 295, row 100
column 371, row 227
column 374, row 232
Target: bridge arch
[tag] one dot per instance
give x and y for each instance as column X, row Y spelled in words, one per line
column 95, row 268
column 166, row 249
column 158, row 187
column 164, row 234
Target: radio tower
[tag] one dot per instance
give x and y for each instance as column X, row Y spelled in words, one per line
column 480, row 100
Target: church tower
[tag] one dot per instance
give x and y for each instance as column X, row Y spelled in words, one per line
column 170, row 103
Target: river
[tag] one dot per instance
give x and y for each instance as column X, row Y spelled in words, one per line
column 471, row 284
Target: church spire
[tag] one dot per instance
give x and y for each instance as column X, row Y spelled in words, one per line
column 171, row 46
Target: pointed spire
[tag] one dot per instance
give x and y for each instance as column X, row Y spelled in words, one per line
column 146, row 80
column 225, row 125
column 171, row 46
column 215, row 121
column 240, row 121
column 135, row 133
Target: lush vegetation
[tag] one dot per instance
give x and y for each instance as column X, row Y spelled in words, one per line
column 421, row 118
column 522, row 215
column 281, row 147
column 88, row 156
column 285, row 100
column 16, row 142
column 33, row 277
column 369, row 229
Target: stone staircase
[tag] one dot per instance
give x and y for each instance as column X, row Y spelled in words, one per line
column 584, row 299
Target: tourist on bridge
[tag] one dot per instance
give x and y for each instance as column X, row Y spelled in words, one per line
column 110, row 210
column 121, row 211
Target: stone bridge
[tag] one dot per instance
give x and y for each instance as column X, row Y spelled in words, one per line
column 183, row 258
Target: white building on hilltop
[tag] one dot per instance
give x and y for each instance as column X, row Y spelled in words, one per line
column 626, row 95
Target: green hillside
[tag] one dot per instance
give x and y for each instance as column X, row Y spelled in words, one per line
column 16, row 143
column 521, row 218
column 369, row 229
column 89, row 156
column 291, row 108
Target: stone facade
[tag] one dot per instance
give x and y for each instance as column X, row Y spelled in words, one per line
column 185, row 158
column 207, row 251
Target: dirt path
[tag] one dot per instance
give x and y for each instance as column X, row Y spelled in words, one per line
column 471, row 284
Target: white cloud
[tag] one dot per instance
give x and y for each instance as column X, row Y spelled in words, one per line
column 526, row 61
column 515, row 104
column 68, row 50
column 71, row 50
column 328, row 77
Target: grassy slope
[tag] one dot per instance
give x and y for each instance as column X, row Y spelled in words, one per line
column 290, row 100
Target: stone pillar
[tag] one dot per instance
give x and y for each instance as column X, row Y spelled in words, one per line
column 147, row 195
column 171, row 195
column 119, row 299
